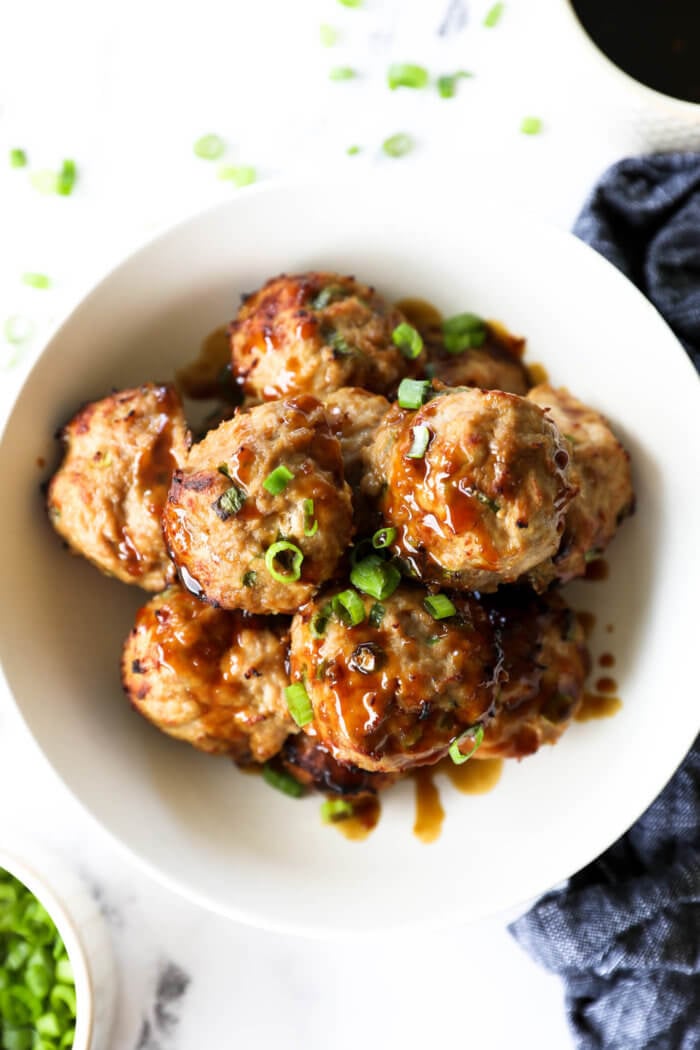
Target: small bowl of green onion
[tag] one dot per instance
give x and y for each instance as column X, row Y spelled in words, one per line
column 56, row 966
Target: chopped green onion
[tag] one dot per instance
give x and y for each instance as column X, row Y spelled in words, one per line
column 397, row 145
column 209, row 147
column 349, row 608
column 352, row 151
column 239, row 174
column 375, row 577
column 277, row 480
column 493, row 16
column 299, row 704
column 487, row 501
column 328, row 35
column 439, row 606
column 62, row 999
column 229, row 502
column 250, row 578
column 376, row 615
column 329, row 294
column 282, row 781
column 406, row 74
column 447, row 84
column 48, row 1025
column 463, row 332
column 310, row 522
column 294, row 571
column 408, row 340
column 65, row 180
column 319, row 621
column 342, row 73
column 531, row 126
column 335, row 809
column 18, row 158
column 44, row 181
column 36, row 280
column 17, row 330
column 419, row 445
column 413, row 392
column 350, row 3
column 475, row 735
column 223, row 469
column 383, row 538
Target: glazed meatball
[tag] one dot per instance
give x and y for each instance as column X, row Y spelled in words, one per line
column 601, row 472
column 314, row 766
column 260, row 514
column 107, row 496
column 354, row 416
column 314, row 333
column 213, row 678
column 545, row 663
column 484, row 500
column 397, row 689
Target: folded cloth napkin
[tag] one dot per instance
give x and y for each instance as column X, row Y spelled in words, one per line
column 624, row 933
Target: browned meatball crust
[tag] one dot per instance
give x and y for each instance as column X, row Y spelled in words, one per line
column 354, row 416
column 396, row 693
column 314, row 333
column 496, row 365
column 485, row 501
column 213, row 678
column 314, row 766
column 601, row 472
column 106, row 498
column 220, row 521
column 545, row 663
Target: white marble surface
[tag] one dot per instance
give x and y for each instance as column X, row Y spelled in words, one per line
column 125, row 89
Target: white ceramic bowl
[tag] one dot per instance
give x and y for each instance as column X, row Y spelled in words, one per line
column 227, row 840
column 643, row 118
column 84, row 933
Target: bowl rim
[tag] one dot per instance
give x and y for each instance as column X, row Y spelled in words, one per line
column 649, row 94
column 28, row 872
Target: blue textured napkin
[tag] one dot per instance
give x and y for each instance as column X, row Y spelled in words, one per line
column 624, row 933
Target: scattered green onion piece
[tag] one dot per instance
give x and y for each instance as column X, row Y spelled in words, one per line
column 209, row 147
column 335, row 809
column 282, row 781
column 383, row 538
column 328, row 35
column 413, row 392
column 62, row 999
column 223, row 469
column 17, row 330
column 447, row 84
column 398, row 145
column 230, row 502
column 531, row 126
column 329, row 294
column 20, row 1006
column 493, row 15
column 350, row 3
column 36, row 280
column 310, row 522
column 319, row 621
column 474, row 734
column 277, row 480
column 463, row 332
column 273, row 552
column 439, row 606
column 349, row 608
column 352, row 151
column 375, row 577
column 64, row 971
column 406, row 74
column 239, row 174
column 18, row 158
column 299, row 704
column 14, row 1038
column 419, row 445
column 66, row 178
column 18, row 952
column 44, row 181
column 342, row 73
column 376, row 615
column 39, row 974
column 48, row 1025
column 408, row 340
column 487, row 501
column 67, row 1039
column 250, row 578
